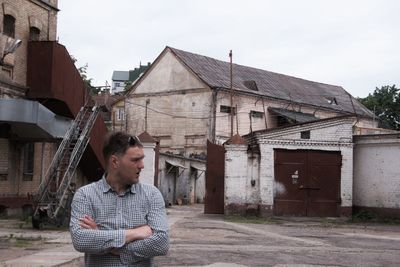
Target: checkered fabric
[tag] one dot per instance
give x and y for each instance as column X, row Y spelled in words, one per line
column 142, row 204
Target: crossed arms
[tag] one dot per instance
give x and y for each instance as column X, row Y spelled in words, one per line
column 131, row 245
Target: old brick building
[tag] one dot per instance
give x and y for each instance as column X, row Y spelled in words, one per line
column 184, row 99
column 41, row 92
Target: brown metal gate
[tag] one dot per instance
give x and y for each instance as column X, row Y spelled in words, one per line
column 307, row 183
column 214, row 198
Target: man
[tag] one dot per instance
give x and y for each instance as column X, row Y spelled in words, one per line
column 118, row 221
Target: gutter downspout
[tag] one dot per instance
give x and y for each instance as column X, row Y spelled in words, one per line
column 214, row 115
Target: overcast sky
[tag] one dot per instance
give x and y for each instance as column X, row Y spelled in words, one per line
column 351, row 43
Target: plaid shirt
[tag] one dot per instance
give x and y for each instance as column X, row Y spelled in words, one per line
column 142, row 204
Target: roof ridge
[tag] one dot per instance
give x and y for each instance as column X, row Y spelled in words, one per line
column 249, row 67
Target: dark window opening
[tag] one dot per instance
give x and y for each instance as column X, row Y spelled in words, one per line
column 227, row 109
column 9, row 25
column 256, row 114
column 3, row 176
column 331, row 100
column 305, row 135
column 34, row 34
column 29, row 151
column 282, row 121
column 252, row 85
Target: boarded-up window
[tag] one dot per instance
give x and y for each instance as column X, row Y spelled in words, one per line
column 29, row 151
column 3, row 159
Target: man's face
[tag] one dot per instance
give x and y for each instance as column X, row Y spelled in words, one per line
column 129, row 165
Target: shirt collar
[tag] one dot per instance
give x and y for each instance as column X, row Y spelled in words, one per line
column 105, row 187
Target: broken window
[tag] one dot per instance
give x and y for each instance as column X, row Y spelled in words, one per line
column 256, row 114
column 9, row 25
column 331, row 100
column 227, row 109
column 252, row 85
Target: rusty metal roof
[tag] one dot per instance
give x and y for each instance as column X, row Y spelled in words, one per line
column 216, row 74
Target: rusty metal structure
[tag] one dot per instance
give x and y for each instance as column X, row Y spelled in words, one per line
column 52, row 202
column 214, row 199
column 54, row 81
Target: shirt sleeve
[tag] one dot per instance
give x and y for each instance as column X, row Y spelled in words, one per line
column 91, row 240
column 155, row 245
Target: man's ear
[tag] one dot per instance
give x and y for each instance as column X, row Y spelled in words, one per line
column 114, row 161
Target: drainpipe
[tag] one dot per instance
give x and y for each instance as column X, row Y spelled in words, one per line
column 214, row 115
column 42, row 164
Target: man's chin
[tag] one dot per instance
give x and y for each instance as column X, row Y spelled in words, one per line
column 135, row 180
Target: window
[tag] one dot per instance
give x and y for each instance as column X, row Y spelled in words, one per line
column 331, row 100
column 252, row 85
column 28, row 152
column 121, row 114
column 256, row 114
column 9, row 25
column 117, row 84
column 226, row 109
column 34, row 34
column 305, row 135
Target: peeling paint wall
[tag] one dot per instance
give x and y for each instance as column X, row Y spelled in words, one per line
column 242, row 166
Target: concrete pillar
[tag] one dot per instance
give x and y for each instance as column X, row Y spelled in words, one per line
column 236, row 166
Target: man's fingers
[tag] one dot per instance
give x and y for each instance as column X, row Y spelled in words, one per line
column 87, row 222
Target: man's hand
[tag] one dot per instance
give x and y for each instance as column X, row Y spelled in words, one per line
column 138, row 233
column 87, row 222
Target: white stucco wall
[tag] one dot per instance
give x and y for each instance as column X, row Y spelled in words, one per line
column 147, row 174
column 377, row 171
column 168, row 74
column 236, row 167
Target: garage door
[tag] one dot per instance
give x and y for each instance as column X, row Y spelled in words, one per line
column 307, row 183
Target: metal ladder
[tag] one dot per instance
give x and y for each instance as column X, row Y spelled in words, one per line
column 52, row 202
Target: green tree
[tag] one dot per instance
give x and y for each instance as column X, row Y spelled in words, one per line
column 385, row 102
column 88, row 81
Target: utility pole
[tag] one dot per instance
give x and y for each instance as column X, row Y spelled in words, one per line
column 145, row 116
column 231, row 91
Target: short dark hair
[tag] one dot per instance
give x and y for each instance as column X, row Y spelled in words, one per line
column 118, row 143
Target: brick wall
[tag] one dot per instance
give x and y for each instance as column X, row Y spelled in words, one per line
column 236, row 179
column 377, row 172
column 242, row 166
column 27, row 14
column 5, row 184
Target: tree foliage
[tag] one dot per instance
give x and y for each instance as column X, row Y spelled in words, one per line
column 385, row 102
column 88, row 81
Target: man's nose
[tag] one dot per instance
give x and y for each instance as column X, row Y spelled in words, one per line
column 141, row 164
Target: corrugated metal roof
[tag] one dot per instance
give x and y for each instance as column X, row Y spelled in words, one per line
column 120, row 75
column 216, row 74
column 294, row 115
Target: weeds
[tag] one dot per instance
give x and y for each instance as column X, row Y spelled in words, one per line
column 365, row 216
column 251, row 219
